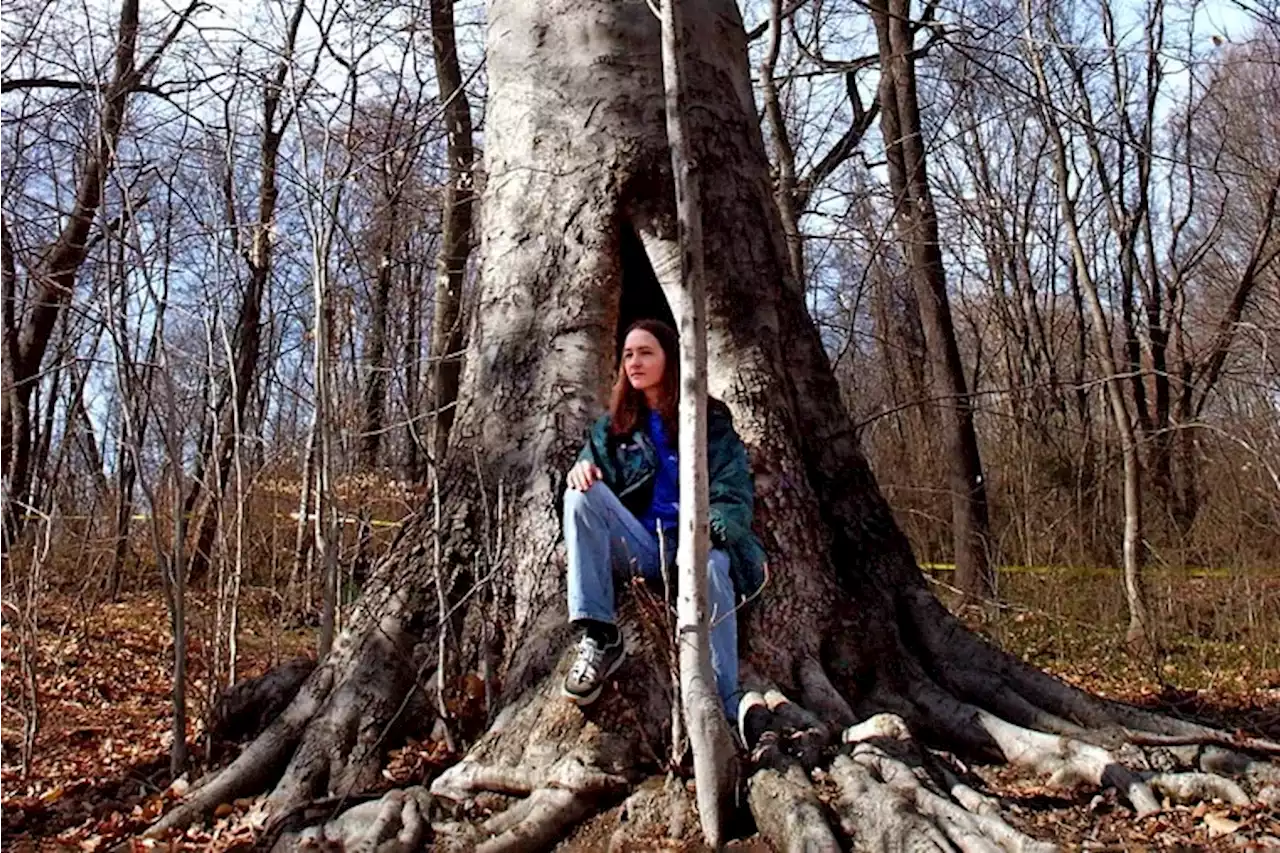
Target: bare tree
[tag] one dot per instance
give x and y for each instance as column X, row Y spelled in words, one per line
column 1226, row 239
column 253, row 241
column 451, row 262
column 1139, row 633
column 713, row 750
column 796, row 184
column 326, row 147
column 402, row 130
column 163, row 488
column 28, row 328
column 998, row 218
column 916, row 221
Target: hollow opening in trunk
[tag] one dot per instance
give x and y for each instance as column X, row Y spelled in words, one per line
column 642, row 297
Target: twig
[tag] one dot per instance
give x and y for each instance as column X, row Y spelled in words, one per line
column 1251, row 744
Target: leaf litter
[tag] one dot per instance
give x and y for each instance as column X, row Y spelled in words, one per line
column 100, row 770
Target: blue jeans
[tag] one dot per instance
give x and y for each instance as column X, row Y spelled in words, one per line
column 603, row 538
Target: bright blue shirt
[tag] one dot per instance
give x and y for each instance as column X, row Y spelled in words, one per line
column 665, row 508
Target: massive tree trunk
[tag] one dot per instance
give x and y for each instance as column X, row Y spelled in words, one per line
column 577, row 159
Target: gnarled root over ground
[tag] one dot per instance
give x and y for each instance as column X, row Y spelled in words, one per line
column 828, row 766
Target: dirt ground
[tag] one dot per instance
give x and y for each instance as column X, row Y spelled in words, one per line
column 99, row 770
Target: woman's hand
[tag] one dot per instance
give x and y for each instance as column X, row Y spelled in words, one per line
column 583, row 474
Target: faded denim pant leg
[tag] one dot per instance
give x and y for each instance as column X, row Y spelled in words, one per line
column 604, row 539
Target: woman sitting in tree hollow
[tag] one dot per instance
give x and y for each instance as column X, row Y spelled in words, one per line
column 624, row 495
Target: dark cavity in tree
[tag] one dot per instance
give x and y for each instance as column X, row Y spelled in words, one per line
column 641, row 296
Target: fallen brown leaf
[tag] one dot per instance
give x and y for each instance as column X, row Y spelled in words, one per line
column 1220, row 825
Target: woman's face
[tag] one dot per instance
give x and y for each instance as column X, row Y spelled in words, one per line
column 643, row 360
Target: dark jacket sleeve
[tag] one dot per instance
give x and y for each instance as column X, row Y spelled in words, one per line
column 732, row 490
column 595, row 450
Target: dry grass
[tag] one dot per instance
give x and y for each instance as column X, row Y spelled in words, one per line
column 1218, row 632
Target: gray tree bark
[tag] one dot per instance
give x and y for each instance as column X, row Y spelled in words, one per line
column 846, row 625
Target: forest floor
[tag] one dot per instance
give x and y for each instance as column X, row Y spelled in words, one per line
column 99, row 770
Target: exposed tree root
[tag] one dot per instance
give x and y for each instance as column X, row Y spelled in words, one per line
column 969, row 829
column 822, row 778
column 975, row 670
column 895, row 796
column 1231, row 763
column 341, row 749
column 565, row 762
column 398, row 822
column 466, row 779
column 1135, row 741
column 1222, row 739
column 555, row 798
column 351, row 698
column 785, row 805
column 879, row 726
column 255, row 767
column 882, row 791
column 891, row 795
column 1067, row 761
column 537, row 822
column 1193, row 787
column 878, row 817
column 246, row 709
column 660, row 808
column 787, row 810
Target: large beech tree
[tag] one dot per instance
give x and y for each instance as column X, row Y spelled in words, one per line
column 865, row 671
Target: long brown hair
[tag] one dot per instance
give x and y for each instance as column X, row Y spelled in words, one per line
column 626, row 403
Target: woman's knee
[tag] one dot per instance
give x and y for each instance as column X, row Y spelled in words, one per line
column 573, row 498
column 577, row 502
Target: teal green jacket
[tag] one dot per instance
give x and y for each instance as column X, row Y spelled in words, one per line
column 629, row 464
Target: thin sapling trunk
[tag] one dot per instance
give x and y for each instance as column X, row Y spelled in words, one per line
column 704, row 718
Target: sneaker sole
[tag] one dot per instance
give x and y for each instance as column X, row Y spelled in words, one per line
column 583, row 700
